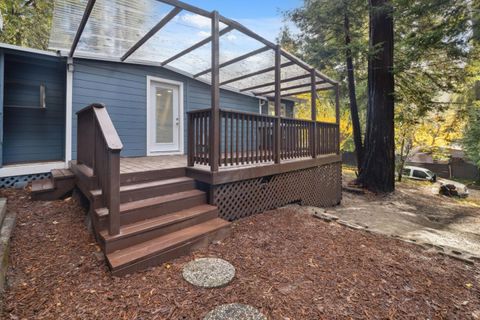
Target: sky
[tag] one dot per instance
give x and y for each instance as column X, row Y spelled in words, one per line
column 262, row 16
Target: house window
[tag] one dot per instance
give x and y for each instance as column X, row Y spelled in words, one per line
column 271, row 109
column 24, row 94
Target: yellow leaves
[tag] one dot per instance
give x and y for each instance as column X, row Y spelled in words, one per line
column 439, row 129
column 325, row 107
column 469, row 285
column 325, row 112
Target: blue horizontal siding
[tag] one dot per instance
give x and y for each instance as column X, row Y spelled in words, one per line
column 123, row 87
column 32, row 135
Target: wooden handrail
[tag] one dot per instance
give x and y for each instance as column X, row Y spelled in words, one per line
column 247, row 138
column 199, row 111
column 106, row 125
column 99, row 147
column 257, row 114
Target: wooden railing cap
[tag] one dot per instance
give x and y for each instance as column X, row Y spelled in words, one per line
column 108, row 129
column 90, row 107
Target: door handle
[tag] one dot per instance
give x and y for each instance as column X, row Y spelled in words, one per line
column 177, row 121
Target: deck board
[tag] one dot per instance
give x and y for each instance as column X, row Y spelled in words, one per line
column 141, row 164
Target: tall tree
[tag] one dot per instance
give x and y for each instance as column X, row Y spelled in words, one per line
column 332, row 32
column 352, row 92
column 378, row 168
column 26, row 22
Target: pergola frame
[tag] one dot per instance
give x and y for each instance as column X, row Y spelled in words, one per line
column 231, row 25
column 298, row 86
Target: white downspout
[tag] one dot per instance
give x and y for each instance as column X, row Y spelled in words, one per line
column 68, row 113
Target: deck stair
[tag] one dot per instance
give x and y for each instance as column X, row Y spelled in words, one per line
column 61, row 182
column 162, row 214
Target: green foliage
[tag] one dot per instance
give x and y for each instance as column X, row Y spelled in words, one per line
column 26, row 22
column 432, row 48
column 471, row 140
column 433, row 44
column 472, row 136
column 321, row 41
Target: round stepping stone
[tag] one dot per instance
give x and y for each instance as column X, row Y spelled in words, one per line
column 208, row 272
column 234, row 311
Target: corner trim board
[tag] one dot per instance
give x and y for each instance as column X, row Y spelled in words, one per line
column 68, row 112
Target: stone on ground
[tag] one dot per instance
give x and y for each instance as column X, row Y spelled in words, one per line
column 208, row 272
column 234, row 311
column 7, row 224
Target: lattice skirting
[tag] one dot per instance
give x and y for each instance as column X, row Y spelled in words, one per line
column 318, row 186
column 21, row 181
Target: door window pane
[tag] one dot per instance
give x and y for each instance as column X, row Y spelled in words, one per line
column 164, row 115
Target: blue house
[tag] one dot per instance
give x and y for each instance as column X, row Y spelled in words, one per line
column 39, row 123
column 171, row 120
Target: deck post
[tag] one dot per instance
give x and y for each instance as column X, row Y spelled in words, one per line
column 313, row 99
column 278, row 103
column 114, row 192
column 215, row 108
column 190, row 143
column 337, row 116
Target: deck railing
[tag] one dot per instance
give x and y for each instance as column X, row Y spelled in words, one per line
column 98, row 147
column 249, row 138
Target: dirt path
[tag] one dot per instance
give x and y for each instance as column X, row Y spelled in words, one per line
column 415, row 212
column 289, row 265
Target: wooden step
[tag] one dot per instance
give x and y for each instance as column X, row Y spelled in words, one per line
column 139, row 191
column 61, row 174
column 134, row 211
column 58, row 186
column 85, row 179
column 167, row 247
column 145, row 230
column 151, row 175
column 42, row 186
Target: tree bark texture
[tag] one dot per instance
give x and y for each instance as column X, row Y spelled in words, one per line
column 378, row 167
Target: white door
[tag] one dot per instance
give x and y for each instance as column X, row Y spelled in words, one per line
column 164, row 117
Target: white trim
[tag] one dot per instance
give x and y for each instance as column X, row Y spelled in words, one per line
column 260, row 104
column 30, row 168
column 29, row 50
column 68, row 112
column 181, row 116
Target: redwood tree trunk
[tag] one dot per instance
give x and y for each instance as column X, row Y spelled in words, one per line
column 378, row 168
column 357, row 133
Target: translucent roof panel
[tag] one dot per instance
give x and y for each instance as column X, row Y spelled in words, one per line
column 112, row 28
column 115, row 26
column 181, row 33
column 235, row 44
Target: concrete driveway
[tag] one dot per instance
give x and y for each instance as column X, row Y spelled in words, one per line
column 415, row 213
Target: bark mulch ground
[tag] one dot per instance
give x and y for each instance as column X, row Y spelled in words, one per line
column 289, row 265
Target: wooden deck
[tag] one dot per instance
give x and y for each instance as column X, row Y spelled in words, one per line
column 147, row 210
column 162, row 162
column 140, row 164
